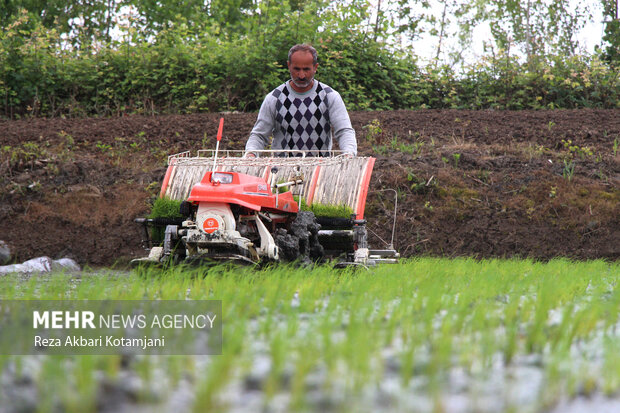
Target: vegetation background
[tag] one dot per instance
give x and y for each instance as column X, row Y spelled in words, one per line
column 114, row 57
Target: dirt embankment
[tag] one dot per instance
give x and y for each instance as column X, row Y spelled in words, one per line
column 469, row 183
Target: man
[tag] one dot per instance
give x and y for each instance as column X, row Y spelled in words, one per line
column 302, row 113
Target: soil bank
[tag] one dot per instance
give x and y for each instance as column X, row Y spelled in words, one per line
column 537, row 184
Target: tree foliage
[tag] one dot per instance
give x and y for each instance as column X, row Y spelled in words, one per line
column 144, row 56
column 611, row 12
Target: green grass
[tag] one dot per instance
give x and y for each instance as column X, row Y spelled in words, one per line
column 342, row 334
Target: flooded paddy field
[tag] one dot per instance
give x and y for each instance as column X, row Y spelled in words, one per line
column 427, row 335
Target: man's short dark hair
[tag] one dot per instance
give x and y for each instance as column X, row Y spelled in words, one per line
column 304, row 48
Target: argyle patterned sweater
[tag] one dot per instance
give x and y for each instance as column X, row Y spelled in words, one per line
column 305, row 121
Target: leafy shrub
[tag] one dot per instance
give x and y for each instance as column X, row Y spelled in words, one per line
column 187, row 67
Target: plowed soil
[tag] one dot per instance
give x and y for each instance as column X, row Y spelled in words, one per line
column 469, row 183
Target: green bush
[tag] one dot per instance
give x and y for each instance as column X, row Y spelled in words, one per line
column 188, row 68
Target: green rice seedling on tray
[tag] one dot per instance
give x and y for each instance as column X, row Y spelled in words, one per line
column 163, row 208
column 324, row 210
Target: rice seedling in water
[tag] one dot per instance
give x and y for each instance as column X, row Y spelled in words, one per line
column 425, row 332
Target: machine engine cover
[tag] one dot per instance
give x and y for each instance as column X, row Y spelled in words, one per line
column 215, row 216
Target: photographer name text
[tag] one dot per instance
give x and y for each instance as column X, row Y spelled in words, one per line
column 107, row 341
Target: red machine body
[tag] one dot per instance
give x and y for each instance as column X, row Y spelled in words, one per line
column 241, row 216
column 248, row 191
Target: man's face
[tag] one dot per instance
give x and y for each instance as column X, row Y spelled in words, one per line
column 302, row 70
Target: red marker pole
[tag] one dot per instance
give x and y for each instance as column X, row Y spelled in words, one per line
column 217, row 144
column 220, row 130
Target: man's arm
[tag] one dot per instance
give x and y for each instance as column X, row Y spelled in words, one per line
column 263, row 128
column 341, row 124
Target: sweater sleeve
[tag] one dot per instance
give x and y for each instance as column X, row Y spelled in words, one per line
column 341, row 124
column 263, row 128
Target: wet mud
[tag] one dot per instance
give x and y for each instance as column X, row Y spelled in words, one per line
column 536, row 184
column 301, row 242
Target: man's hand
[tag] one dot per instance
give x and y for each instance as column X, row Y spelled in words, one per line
column 250, row 155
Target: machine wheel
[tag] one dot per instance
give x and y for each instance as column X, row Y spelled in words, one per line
column 173, row 251
column 301, row 242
